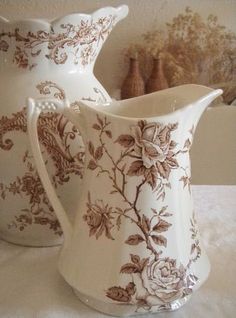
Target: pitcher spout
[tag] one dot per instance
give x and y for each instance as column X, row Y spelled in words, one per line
column 122, row 12
column 202, row 98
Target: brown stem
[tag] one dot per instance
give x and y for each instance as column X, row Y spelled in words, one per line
column 138, row 190
column 149, row 245
column 133, row 206
column 125, row 215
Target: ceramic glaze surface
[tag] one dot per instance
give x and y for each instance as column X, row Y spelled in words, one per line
column 135, row 241
column 53, row 59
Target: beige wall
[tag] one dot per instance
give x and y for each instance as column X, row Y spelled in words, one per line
column 214, row 149
column 213, row 152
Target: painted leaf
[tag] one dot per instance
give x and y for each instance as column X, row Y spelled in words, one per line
column 136, row 168
column 91, row 148
column 96, row 126
column 100, row 120
column 151, row 178
column 173, row 144
column 172, row 162
column 166, row 214
column 143, row 263
column 118, row 222
column 193, row 248
column 161, row 196
column 159, row 240
column 173, row 126
column 161, row 226
column 108, row 133
column 163, row 169
column 163, row 209
column 131, row 288
column 92, row 165
column 98, row 153
column 129, row 268
column 142, row 124
column 134, row 239
column 125, row 140
column 154, row 211
column 187, row 144
column 118, row 293
column 185, row 180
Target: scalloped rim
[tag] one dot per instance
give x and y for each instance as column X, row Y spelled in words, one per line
column 122, row 12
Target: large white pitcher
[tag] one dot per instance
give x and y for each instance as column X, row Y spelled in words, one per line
column 134, row 246
column 54, row 59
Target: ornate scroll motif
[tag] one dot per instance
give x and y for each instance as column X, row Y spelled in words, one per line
column 80, row 41
column 55, row 136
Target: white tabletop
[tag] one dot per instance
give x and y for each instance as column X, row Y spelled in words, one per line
column 31, row 287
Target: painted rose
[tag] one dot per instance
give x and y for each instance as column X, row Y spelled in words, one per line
column 163, row 281
column 98, row 218
column 154, row 146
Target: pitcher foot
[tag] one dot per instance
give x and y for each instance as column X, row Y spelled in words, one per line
column 122, row 310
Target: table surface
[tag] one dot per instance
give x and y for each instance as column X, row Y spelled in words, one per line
column 31, row 287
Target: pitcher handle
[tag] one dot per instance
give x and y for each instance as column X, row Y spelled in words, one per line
column 35, row 107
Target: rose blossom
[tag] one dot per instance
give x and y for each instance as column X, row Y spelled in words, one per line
column 163, row 280
column 153, row 145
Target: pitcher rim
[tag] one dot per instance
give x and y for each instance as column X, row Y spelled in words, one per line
column 212, row 91
column 55, row 20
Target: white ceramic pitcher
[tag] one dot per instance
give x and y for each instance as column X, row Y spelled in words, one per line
column 51, row 59
column 134, row 246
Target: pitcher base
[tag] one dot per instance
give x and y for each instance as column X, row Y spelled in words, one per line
column 121, row 310
column 31, row 242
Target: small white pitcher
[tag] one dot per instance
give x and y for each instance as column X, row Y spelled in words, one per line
column 134, row 246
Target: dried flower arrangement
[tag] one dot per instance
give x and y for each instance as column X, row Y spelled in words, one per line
column 193, row 50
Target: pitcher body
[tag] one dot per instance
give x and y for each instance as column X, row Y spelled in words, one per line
column 135, row 247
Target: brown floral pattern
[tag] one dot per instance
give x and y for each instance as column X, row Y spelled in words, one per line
column 50, row 127
column 55, row 135
column 80, row 41
column 163, row 280
column 186, row 178
column 150, row 149
column 153, row 145
column 39, row 210
column 99, row 219
column 195, row 248
column 153, row 148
